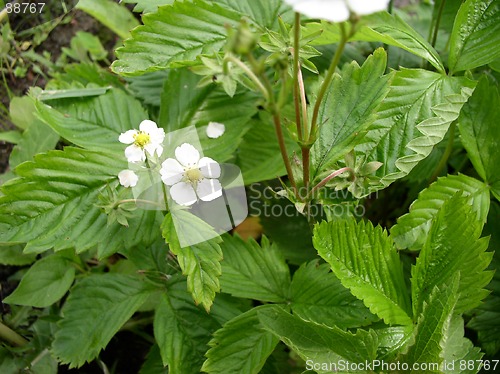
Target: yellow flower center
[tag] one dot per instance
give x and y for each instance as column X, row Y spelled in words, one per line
column 141, row 139
column 193, row 176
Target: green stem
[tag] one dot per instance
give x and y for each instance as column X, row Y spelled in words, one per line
column 446, row 154
column 124, row 201
column 327, row 81
column 296, row 69
column 438, row 21
column 251, row 75
column 306, row 160
column 284, row 153
column 9, row 335
column 328, row 179
column 303, row 102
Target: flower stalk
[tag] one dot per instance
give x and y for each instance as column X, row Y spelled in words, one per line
column 336, row 173
column 10, row 336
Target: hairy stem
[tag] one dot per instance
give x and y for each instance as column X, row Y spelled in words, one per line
column 296, row 69
column 251, row 75
column 10, row 336
column 336, row 173
column 327, row 81
column 284, row 153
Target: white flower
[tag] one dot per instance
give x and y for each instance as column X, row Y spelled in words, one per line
column 190, row 177
column 336, row 10
column 149, row 138
column 215, row 129
column 128, row 178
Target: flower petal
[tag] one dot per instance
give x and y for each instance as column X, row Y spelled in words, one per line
column 148, row 126
column 215, row 130
column 363, row 7
column 183, row 194
column 128, row 178
column 209, row 189
column 187, row 155
column 134, row 153
column 127, row 137
column 152, row 148
column 171, row 172
column 209, row 168
column 330, row 10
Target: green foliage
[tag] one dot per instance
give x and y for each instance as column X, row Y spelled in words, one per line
column 265, row 164
column 183, row 104
column 151, row 48
column 115, row 298
column 147, row 6
column 317, row 295
column 383, row 28
column 412, row 119
column 319, row 343
column 253, row 271
column 241, row 346
column 313, row 280
column 431, row 330
column 181, row 342
column 475, row 35
column 199, row 262
column 94, row 122
column 412, row 229
column 110, row 14
column 479, row 132
column 366, row 262
column 343, row 123
column 45, row 282
column 454, row 238
column 39, row 205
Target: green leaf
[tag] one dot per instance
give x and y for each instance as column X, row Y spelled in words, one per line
column 153, row 363
column 392, row 340
column 458, row 349
column 52, row 205
column 318, row 296
column 10, row 136
column 110, row 14
column 475, row 35
column 264, row 13
column 37, row 138
column 342, row 122
column 95, row 310
column 453, row 247
column 181, row 329
column 412, row 119
column 486, row 317
column 366, row 262
column 319, row 343
column 433, row 325
column 478, row 125
column 384, row 28
column 149, row 87
column 184, row 104
column 13, row 255
column 147, row 6
column 96, row 122
column 254, row 272
column 412, row 229
column 259, row 155
column 241, row 345
column 154, row 47
column 21, row 111
column 199, row 262
column 47, row 95
column 44, row 283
